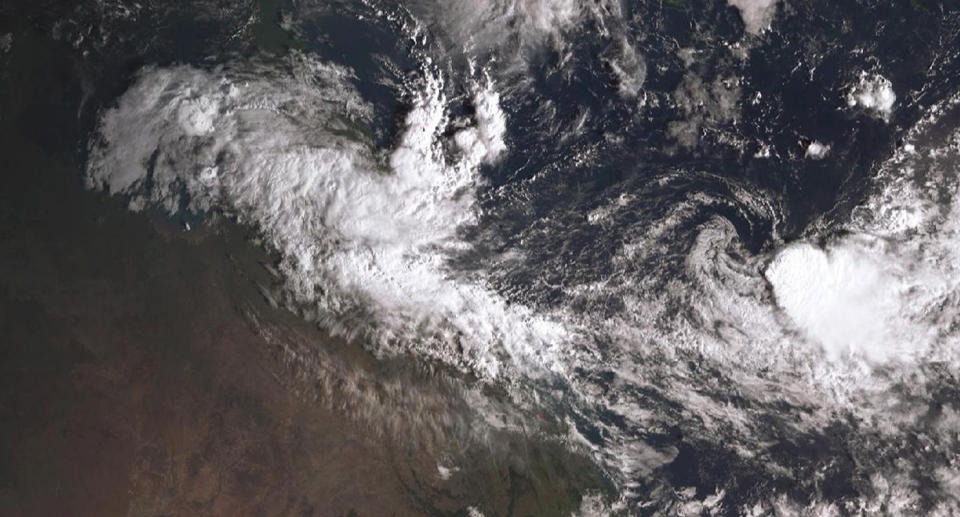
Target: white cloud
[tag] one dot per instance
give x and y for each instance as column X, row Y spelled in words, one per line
column 281, row 149
column 757, row 14
column 445, row 472
column 846, row 297
column 874, row 94
column 887, row 289
column 817, row 150
column 6, row 42
column 484, row 143
column 487, row 24
column 629, row 68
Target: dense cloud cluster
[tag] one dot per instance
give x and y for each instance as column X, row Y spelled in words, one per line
column 636, row 317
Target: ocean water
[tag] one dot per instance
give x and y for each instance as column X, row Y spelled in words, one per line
column 707, row 245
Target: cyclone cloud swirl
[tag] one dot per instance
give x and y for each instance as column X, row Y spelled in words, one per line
column 714, row 355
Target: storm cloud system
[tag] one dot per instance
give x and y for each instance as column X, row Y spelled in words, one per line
column 690, row 257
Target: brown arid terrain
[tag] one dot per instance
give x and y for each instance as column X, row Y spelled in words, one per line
column 143, row 372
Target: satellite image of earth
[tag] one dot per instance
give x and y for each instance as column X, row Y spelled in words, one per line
column 480, row 258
